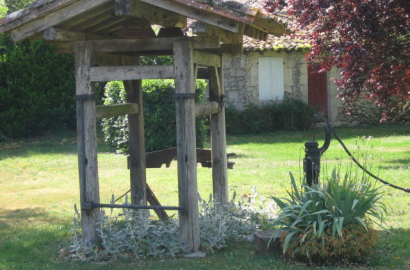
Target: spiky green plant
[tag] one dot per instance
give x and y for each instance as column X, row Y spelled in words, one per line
column 332, row 208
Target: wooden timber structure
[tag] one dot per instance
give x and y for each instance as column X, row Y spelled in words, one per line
column 107, row 37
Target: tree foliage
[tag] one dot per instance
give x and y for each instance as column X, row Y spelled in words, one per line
column 37, row 88
column 368, row 40
column 3, row 9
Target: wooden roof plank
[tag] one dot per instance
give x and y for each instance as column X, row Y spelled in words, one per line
column 35, row 26
column 201, row 15
column 97, row 13
column 57, row 34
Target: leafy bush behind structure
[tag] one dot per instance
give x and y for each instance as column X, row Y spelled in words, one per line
column 332, row 222
column 291, row 115
column 37, row 88
column 159, row 116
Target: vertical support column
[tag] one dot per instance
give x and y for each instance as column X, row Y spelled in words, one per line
column 218, row 138
column 186, row 144
column 87, row 142
column 137, row 144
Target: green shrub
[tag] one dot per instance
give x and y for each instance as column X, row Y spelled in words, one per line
column 290, row 115
column 332, row 222
column 159, row 116
column 37, row 88
column 136, row 235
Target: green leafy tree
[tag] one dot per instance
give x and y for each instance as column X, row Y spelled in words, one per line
column 3, row 8
column 14, row 5
column 368, row 40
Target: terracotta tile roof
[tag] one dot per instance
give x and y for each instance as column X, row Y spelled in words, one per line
column 275, row 43
column 291, row 42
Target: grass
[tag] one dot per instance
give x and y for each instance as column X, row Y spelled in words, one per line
column 39, row 187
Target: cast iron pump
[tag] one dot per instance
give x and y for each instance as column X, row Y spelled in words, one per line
column 311, row 162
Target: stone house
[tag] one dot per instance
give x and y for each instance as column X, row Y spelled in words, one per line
column 268, row 71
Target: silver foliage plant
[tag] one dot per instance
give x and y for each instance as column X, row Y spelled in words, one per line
column 136, row 235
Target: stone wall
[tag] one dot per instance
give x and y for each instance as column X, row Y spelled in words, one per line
column 241, row 86
column 241, row 77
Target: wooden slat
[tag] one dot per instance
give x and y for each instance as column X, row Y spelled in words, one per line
column 57, row 34
column 97, row 13
column 108, row 111
column 207, row 59
column 54, row 18
column 158, row 16
column 153, row 201
column 227, row 48
column 200, row 15
column 227, row 37
column 37, row 10
column 121, row 73
column 203, row 109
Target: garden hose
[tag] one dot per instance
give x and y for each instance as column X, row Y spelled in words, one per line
column 360, row 165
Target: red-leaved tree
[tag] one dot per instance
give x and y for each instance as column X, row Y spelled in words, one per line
column 368, row 40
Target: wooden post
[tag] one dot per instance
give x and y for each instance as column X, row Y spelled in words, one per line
column 218, row 139
column 87, row 142
column 137, row 144
column 186, row 144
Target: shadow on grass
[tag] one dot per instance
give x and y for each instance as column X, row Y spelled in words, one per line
column 58, row 146
column 398, row 163
column 345, row 133
column 30, row 236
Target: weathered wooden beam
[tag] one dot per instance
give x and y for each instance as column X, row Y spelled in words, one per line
column 108, row 59
column 195, row 13
column 255, row 33
column 57, row 34
column 108, row 111
column 215, row 82
column 227, row 37
column 138, row 177
column 141, row 45
column 87, row 143
column 227, row 48
column 153, row 44
column 203, row 109
column 115, row 73
column 207, row 59
column 186, row 144
column 153, row 14
column 218, row 140
column 28, row 27
column 271, row 26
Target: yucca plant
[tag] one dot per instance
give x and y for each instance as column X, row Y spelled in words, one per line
column 330, row 222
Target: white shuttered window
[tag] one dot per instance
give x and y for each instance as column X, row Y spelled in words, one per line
column 271, row 85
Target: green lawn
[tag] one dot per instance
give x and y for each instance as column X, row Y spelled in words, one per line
column 39, row 187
